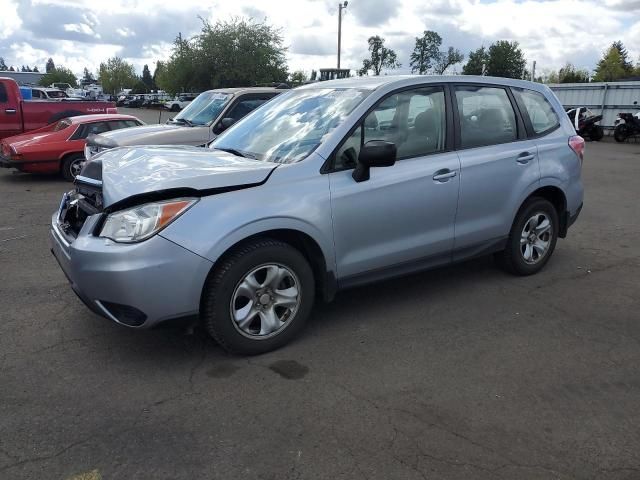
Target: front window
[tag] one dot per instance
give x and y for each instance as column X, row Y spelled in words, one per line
column 291, row 126
column 204, row 109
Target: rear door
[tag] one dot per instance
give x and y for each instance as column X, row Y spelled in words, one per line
column 498, row 164
column 10, row 123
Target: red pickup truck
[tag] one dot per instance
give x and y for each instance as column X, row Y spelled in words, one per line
column 19, row 116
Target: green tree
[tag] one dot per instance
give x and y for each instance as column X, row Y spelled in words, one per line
column 147, row 79
column 35, row 69
column 447, row 59
column 426, row 52
column 627, row 64
column 59, row 75
column 3, row 66
column 50, row 67
column 477, row 59
column 298, row 77
column 381, row 57
column 139, row 87
column 116, row 74
column 87, row 77
column 506, row 60
column 11, row 69
column 235, row 53
column 571, row 74
column 610, row 67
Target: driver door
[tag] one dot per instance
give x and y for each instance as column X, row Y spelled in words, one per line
column 402, row 218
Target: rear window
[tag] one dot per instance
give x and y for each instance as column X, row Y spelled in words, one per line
column 3, row 94
column 543, row 116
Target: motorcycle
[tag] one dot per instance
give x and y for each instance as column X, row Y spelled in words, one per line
column 586, row 123
column 626, row 125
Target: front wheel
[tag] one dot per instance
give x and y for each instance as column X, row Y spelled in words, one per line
column 621, row 133
column 258, row 298
column 532, row 238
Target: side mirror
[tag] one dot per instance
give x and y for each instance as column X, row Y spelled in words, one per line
column 374, row 153
column 226, row 123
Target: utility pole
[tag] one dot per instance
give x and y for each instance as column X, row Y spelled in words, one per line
column 533, row 72
column 340, row 7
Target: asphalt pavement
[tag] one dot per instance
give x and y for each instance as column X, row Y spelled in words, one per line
column 459, row 373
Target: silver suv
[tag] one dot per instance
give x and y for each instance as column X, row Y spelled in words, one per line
column 201, row 121
column 326, row 187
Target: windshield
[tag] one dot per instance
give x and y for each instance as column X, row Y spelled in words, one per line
column 204, row 109
column 292, row 125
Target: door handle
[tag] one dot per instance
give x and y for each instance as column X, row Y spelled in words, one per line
column 444, row 175
column 10, row 111
column 525, row 157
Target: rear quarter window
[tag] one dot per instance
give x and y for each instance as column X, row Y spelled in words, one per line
column 3, row 94
column 542, row 115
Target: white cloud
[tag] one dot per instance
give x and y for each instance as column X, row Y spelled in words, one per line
column 551, row 32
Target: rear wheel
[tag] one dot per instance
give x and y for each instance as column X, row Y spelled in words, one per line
column 258, row 298
column 621, row 133
column 596, row 134
column 175, row 107
column 71, row 166
column 532, row 238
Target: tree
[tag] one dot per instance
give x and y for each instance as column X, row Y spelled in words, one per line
column 447, row 59
column 139, row 87
column 610, row 67
column 59, row 75
column 624, row 56
column 506, row 60
column 298, row 77
column 426, row 52
column 35, row 69
column 235, row 53
column 477, row 59
column 381, row 57
column 571, row 74
column 50, row 67
column 147, row 79
column 116, row 74
column 314, row 75
column 87, row 77
column 11, row 69
column 3, row 66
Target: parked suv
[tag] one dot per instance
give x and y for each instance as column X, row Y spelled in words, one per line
column 198, row 124
column 328, row 186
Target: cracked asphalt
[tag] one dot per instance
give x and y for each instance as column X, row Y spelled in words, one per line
column 458, row 373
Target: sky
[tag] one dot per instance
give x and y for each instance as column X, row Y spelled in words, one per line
column 82, row 33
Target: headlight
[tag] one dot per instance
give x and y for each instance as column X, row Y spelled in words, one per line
column 139, row 223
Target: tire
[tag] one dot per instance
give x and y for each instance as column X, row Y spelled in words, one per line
column 246, row 267
column 175, row 107
column 596, row 134
column 621, row 133
column 69, row 166
column 60, row 115
column 513, row 257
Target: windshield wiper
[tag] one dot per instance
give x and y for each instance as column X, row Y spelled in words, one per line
column 182, row 120
column 237, row 153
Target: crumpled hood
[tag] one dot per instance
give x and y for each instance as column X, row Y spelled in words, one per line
column 134, row 171
column 164, row 134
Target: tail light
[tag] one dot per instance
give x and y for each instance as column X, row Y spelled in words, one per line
column 576, row 143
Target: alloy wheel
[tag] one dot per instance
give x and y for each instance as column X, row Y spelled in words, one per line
column 536, row 237
column 265, row 301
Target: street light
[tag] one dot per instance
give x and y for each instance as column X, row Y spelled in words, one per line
column 340, row 7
